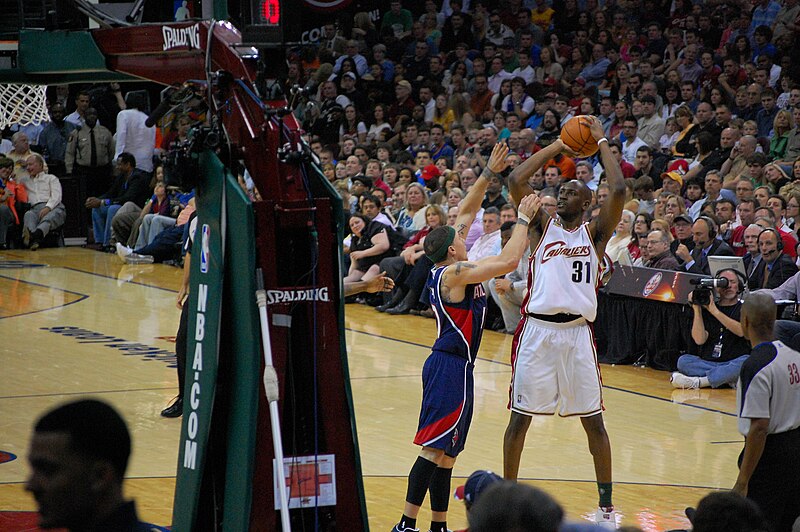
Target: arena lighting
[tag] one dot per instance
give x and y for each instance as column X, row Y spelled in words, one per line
column 270, row 12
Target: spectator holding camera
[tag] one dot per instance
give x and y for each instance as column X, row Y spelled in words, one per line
column 720, row 346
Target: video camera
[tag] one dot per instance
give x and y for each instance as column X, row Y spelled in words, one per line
column 182, row 161
column 702, row 294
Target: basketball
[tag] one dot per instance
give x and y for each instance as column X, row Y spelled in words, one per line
column 578, row 137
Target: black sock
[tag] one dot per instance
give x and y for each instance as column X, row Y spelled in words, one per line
column 440, row 490
column 418, row 481
column 407, row 522
column 438, row 526
column 604, row 490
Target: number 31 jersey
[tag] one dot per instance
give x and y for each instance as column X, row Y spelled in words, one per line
column 563, row 273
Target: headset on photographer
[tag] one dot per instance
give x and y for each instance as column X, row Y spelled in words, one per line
column 742, row 289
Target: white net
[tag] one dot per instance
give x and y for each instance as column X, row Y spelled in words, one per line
column 22, row 104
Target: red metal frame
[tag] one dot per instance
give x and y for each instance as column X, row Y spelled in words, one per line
column 174, row 53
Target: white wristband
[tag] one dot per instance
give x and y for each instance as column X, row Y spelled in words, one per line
column 602, row 140
column 524, row 218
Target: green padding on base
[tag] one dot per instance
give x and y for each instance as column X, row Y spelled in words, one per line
column 36, row 52
column 243, row 349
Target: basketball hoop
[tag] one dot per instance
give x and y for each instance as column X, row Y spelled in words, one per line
column 23, row 104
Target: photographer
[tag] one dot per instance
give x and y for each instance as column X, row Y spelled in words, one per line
column 721, row 347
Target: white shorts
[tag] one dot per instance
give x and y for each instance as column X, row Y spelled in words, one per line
column 554, row 366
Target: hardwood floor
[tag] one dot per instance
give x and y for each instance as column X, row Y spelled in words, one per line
column 669, row 447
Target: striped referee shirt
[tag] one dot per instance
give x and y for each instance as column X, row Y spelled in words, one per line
column 769, row 387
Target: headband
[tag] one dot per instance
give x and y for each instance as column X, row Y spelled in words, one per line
column 440, row 253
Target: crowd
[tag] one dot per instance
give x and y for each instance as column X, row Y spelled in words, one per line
column 700, row 107
column 118, row 165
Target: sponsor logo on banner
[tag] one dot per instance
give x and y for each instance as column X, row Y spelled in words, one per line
column 179, row 37
column 652, row 284
column 204, row 249
column 290, row 296
column 559, row 248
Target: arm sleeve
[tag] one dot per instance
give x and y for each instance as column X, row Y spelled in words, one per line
column 55, row 193
column 69, row 155
column 122, row 131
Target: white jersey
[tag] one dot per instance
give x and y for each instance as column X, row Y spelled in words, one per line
column 563, row 273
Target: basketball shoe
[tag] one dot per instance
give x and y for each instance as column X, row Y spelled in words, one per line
column 606, row 518
column 679, row 380
column 397, row 528
column 123, row 251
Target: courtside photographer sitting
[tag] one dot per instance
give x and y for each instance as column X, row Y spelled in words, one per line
column 720, row 347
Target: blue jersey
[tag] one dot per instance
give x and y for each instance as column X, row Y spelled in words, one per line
column 459, row 325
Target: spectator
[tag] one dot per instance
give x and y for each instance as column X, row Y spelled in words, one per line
column 775, row 267
column 78, row 456
column 8, row 199
column 133, row 136
column 630, row 128
column 765, row 117
column 476, row 484
column 398, row 19
column 714, row 191
column 651, row 125
column 131, row 185
column 89, row 153
column 20, row 155
column 782, row 126
column 46, row 213
column 513, row 507
column 623, row 235
column 726, row 511
column 82, row 102
column 704, row 232
column 53, row 139
column 660, row 256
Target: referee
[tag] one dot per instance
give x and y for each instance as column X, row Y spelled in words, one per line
column 768, row 401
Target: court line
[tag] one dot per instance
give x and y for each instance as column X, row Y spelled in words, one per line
column 582, row 481
column 565, row 480
column 12, row 482
column 615, row 388
column 118, row 279
column 413, row 375
column 80, row 298
column 83, row 393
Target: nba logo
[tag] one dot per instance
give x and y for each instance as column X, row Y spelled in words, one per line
column 204, row 249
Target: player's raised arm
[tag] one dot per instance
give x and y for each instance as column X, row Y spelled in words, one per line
column 611, row 212
column 518, row 181
column 464, row 272
column 471, row 204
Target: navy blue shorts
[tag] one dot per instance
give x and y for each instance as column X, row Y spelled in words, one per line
column 447, row 399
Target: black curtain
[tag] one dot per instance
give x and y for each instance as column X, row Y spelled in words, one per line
column 629, row 329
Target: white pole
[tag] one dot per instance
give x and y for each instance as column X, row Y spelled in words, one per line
column 273, row 392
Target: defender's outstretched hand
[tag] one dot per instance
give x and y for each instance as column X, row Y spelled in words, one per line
column 529, row 205
column 497, row 160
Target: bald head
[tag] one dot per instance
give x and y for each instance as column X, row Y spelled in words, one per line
column 586, row 194
column 758, row 317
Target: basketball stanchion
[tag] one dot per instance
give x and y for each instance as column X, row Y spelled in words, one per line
column 273, row 392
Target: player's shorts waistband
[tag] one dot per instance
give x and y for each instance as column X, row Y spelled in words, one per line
column 556, row 321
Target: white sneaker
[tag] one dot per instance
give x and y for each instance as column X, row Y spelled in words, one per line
column 123, row 251
column 679, row 380
column 606, row 518
column 135, row 258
